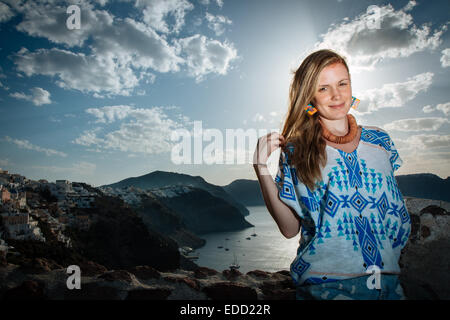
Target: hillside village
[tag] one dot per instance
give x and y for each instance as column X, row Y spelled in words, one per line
column 23, row 203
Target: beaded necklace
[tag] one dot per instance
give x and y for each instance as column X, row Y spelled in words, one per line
column 351, row 134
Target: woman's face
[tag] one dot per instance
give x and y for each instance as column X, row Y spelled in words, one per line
column 333, row 95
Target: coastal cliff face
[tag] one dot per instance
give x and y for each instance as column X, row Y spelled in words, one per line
column 161, row 219
column 200, row 211
column 183, row 213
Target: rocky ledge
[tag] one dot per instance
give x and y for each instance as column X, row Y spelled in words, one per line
column 143, row 282
column 425, row 260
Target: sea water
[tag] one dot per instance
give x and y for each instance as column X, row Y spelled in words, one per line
column 269, row 250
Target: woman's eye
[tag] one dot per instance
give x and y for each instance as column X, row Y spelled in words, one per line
column 322, row 89
column 343, row 84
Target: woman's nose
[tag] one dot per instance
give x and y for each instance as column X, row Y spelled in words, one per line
column 335, row 94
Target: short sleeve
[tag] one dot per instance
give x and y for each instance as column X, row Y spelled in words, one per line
column 395, row 159
column 288, row 184
column 389, row 146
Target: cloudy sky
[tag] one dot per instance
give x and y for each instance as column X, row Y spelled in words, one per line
column 100, row 103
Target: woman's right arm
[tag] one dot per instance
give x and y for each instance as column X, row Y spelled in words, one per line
column 286, row 219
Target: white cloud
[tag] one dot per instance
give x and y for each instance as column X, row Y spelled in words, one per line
column 155, row 13
column 48, row 19
column 444, row 107
column 5, row 12
column 25, row 144
column 38, row 96
column 258, row 118
column 217, row 23
column 89, row 137
column 78, row 71
column 141, row 130
column 424, row 161
column 379, row 33
column 135, row 44
column 445, row 59
column 121, row 51
column 424, row 142
column 425, row 153
column 394, row 94
column 101, row 2
column 109, row 114
column 427, row 109
column 206, row 2
column 204, row 56
column 417, row 124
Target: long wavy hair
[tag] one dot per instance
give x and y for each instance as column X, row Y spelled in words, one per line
column 299, row 128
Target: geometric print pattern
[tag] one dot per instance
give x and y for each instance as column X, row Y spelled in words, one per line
column 352, row 168
column 376, row 137
column 382, row 139
column 368, row 243
column 372, row 180
column 357, row 203
column 300, row 266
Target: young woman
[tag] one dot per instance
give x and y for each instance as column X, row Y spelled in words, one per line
column 335, row 184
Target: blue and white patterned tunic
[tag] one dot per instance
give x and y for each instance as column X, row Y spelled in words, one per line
column 355, row 218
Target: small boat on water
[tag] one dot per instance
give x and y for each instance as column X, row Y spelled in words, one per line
column 234, row 265
column 186, row 252
column 226, row 249
column 248, row 238
column 254, row 234
column 191, row 257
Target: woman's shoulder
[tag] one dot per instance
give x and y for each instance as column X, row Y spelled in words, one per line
column 373, row 128
column 368, row 130
column 376, row 136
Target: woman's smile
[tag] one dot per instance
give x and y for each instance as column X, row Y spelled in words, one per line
column 337, row 106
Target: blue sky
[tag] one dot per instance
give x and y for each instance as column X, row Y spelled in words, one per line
column 99, row 104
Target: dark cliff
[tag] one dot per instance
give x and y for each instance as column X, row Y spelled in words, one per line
column 200, row 211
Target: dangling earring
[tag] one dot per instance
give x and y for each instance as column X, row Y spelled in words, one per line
column 355, row 102
column 310, row 109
